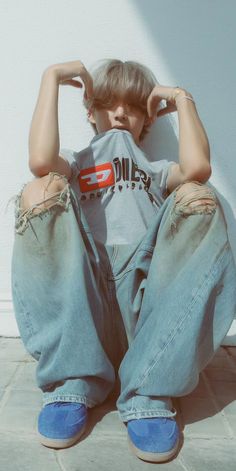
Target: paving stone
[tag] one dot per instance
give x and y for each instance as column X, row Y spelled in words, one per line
column 221, row 374
column 13, row 350
column 26, row 454
column 26, row 379
column 7, row 371
column 233, row 360
column 20, row 413
column 201, row 418
column 104, row 443
column 26, row 399
column 228, row 406
column 213, row 455
column 106, row 454
column 221, row 361
column 101, row 421
column 232, row 422
column 200, row 391
column 224, row 388
column 232, row 351
column 222, row 351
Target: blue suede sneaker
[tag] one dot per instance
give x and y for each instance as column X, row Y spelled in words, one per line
column 60, row 424
column 153, row 439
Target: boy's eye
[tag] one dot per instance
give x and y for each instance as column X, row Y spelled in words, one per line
column 134, row 107
column 109, row 105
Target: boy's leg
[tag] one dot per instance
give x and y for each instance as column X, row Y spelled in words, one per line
column 178, row 301
column 59, row 294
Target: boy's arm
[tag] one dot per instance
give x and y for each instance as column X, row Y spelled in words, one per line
column 194, row 151
column 44, row 140
column 44, row 143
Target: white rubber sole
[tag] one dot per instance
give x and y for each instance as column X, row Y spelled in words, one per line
column 153, row 457
column 58, row 442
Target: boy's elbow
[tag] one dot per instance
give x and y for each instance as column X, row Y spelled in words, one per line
column 38, row 167
column 202, row 175
column 206, row 174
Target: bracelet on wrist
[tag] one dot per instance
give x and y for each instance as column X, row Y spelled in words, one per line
column 182, row 97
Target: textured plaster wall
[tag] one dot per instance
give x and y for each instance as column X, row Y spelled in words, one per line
column 187, row 43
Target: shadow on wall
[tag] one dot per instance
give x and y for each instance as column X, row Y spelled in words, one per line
column 196, row 40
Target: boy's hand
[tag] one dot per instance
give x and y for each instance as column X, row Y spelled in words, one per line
column 159, row 93
column 67, row 70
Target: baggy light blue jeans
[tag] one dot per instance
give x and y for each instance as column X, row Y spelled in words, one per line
column 151, row 313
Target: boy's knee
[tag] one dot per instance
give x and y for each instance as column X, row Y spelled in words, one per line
column 195, row 198
column 42, row 191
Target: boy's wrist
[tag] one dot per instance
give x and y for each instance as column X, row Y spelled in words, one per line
column 51, row 73
column 181, row 93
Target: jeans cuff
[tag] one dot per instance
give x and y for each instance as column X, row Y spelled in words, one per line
column 49, row 398
column 145, row 414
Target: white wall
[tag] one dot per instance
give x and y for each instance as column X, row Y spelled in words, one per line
column 188, row 43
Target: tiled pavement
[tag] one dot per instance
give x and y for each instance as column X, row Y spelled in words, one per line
column 207, row 418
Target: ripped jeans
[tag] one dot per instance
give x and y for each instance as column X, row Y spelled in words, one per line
column 151, row 314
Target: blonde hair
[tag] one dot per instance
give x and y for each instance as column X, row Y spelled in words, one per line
column 129, row 80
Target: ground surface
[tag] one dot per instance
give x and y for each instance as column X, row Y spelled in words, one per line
column 207, row 418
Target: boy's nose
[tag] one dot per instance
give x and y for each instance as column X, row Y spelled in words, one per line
column 120, row 112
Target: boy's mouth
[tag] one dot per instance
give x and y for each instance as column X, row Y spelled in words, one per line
column 121, row 127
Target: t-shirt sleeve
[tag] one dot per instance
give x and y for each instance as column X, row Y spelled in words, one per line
column 70, row 156
column 161, row 170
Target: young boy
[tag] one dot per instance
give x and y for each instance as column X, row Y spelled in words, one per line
column 121, row 266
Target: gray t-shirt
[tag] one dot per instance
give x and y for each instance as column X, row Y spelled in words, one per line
column 119, row 189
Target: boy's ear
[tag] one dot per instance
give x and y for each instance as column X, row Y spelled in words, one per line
column 90, row 116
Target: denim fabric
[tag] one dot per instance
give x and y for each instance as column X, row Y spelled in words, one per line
column 152, row 313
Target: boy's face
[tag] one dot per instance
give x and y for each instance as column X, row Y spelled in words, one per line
column 120, row 115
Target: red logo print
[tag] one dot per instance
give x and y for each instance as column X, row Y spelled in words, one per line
column 93, row 178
